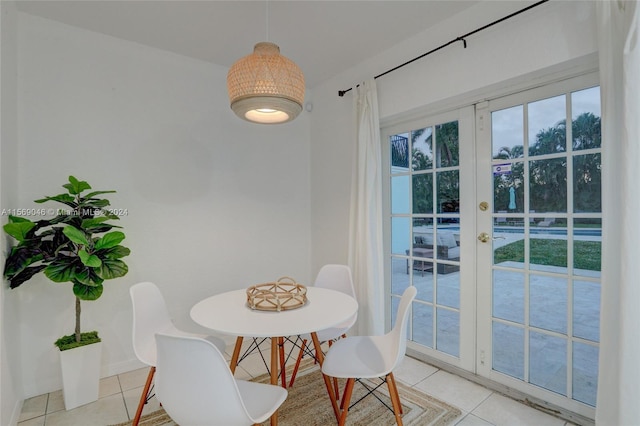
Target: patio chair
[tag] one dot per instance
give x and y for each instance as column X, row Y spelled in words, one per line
column 447, row 248
column 501, row 220
column 547, row 222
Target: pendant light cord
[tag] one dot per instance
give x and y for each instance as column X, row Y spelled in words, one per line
column 461, row 38
column 267, row 15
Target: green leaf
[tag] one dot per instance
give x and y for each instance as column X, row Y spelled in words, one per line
column 109, row 240
column 104, row 228
column 19, row 258
column 57, row 243
column 61, row 198
column 61, row 270
column 88, row 276
column 110, row 215
column 90, row 260
column 93, row 194
column 25, row 275
column 76, row 186
column 19, row 229
column 15, row 219
column 85, row 292
column 61, row 218
column 95, row 203
column 114, row 252
column 112, row 268
column 94, row 222
column 75, row 235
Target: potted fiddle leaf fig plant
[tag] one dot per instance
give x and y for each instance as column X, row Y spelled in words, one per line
column 80, row 245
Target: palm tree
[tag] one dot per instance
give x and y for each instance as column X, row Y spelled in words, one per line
column 510, row 152
column 586, row 131
column 551, row 140
column 447, row 144
column 586, row 168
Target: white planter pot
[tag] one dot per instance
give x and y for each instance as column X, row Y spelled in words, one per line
column 80, row 374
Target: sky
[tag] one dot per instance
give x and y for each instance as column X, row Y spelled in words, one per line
column 508, row 124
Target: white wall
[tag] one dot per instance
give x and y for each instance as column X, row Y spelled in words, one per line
column 10, row 363
column 539, row 41
column 214, row 203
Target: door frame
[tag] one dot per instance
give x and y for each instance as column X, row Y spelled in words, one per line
column 584, row 65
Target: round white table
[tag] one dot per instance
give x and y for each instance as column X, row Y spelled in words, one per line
column 228, row 313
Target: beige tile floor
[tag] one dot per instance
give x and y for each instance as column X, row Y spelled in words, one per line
column 119, row 397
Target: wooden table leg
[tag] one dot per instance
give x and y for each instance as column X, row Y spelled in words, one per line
column 283, row 369
column 274, row 373
column 318, row 348
column 236, row 354
column 327, row 380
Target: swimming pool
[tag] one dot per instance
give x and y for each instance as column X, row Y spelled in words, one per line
column 585, row 232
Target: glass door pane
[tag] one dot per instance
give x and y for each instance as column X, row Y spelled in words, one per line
column 546, row 244
column 424, row 190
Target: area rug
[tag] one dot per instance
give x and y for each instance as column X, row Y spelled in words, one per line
column 308, row 404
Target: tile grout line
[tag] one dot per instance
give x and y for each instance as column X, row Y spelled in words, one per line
column 46, row 409
column 124, row 401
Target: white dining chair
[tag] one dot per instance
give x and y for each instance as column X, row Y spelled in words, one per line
column 195, row 386
column 334, row 277
column 150, row 316
column 370, row 357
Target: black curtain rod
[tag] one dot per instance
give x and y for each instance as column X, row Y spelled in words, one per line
column 461, row 38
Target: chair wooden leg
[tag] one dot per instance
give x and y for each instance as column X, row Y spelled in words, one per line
column 395, row 387
column 395, row 398
column 327, row 380
column 335, row 379
column 298, row 360
column 283, row 367
column 274, row 374
column 236, row 354
column 346, row 399
column 143, row 397
column 274, row 361
column 343, row 393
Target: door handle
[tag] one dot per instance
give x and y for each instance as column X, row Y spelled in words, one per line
column 484, row 237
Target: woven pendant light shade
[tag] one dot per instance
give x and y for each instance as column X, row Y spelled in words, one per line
column 265, row 87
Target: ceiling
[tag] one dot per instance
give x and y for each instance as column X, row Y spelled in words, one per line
column 323, row 37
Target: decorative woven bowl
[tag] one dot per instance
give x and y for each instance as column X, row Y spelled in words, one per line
column 281, row 295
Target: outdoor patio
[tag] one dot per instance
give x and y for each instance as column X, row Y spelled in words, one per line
column 549, row 297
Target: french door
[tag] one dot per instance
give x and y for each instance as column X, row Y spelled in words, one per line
column 494, row 214
column 539, row 248
column 429, row 231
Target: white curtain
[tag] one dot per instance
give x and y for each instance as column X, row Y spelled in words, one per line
column 365, row 227
column 619, row 366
